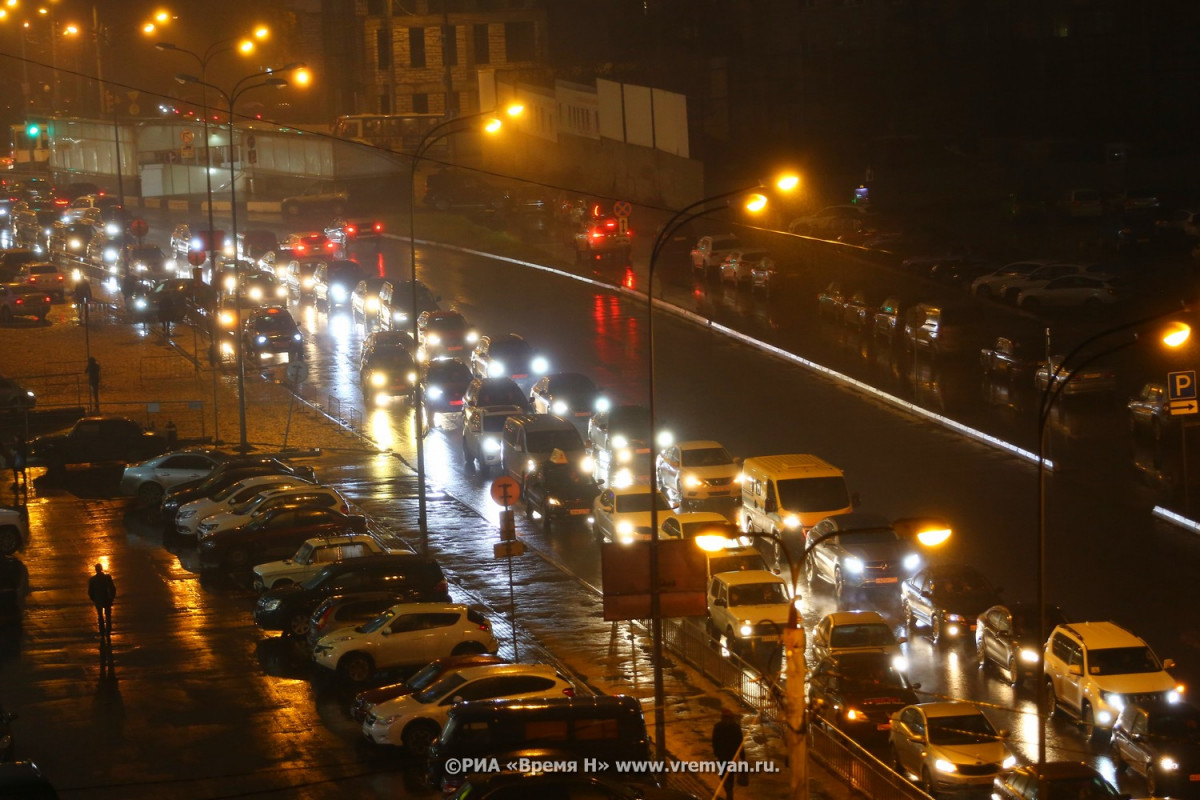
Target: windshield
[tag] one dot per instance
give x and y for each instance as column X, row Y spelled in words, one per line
column 547, row 441
column 448, row 371
column 425, row 676
column 1122, row 661
column 440, row 688
column 881, row 536
column 706, row 457
column 494, row 423
column 757, row 594
column 229, row 491
column 511, row 349
column 377, row 623
column 638, row 501
column 274, row 323
column 959, row 583
column 251, row 504
column 501, row 393
column 1090, row 788
column 303, row 554
column 571, row 384
column 735, row 563
column 873, row 635
column 455, row 323
column 963, row 729
column 813, row 494
column 872, row 676
column 391, row 358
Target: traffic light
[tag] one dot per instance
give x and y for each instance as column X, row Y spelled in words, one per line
column 32, row 129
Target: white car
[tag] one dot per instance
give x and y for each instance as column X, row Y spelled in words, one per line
column 235, row 516
column 1010, row 289
column 312, row 556
column 736, row 267
column 747, row 607
column 415, row 720
column 481, row 430
column 988, row 285
column 948, row 747
column 149, row 479
column 697, row 470
column 623, row 515
column 407, row 634
column 1071, row 290
column 190, row 515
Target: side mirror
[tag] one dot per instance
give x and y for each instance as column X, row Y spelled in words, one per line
column 916, row 738
column 901, row 639
column 914, row 686
column 720, row 601
column 385, row 632
column 926, row 594
column 457, row 699
column 1168, row 663
column 1003, row 733
column 1074, row 669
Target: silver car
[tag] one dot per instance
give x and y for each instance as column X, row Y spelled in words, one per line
column 948, row 747
column 150, row 479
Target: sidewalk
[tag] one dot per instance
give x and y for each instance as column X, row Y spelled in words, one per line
column 145, row 378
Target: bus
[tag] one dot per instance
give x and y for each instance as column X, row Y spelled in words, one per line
column 400, row 133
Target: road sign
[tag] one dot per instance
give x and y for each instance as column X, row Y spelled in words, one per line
column 622, row 208
column 508, row 549
column 197, row 257
column 297, row 372
column 1181, row 408
column 139, row 227
column 1181, row 385
column 506, row 491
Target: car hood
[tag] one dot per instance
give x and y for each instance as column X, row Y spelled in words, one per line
column 1137, row 683
column 575, row 491
column 716, row 471
column 766, row 612
column 385, row 693
column 977, row 753
column 226, row 519
column 48, row 441
column 969, row 605
column 873, row 551
column 283, row 592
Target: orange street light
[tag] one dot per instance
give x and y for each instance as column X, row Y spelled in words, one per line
column 262, row 32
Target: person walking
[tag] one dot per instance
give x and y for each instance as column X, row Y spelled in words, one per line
column 93, row 375
column 20, row 456
column 102, row 591
column 727, row 748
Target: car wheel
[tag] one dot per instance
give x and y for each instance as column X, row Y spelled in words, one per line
column 731, row 642
column 1151, row 781
column 910, row 622
column 981, row 660
column 298, row 624
column 150, row 495
column 1087, row 723
column 468, row 649
column 1052, row 707
column 418, row 736
column 935, row 629
column 810, row 571
column 355, row 667
column 927, row 782
column 1014, row 673
column 839, row 585
column 237, row 558
column 895, row 759
column 10, row 540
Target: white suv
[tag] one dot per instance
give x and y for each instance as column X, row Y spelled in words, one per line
column 747, row 607
column 13, row 530
column 1093, row 669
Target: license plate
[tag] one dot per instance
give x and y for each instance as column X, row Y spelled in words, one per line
column 1194, row 778
column 575, row 512
column 887, row 580
column 455, row 347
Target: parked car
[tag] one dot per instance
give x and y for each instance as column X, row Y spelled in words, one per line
column 423, row 678
column 1072, row 381
column 299, row 497
column 226, row 475
column 710, row 251
column 1070, row 291
column 274, row 534
column 947, row 599
column 1010, row 357
column 14, row 530
column 736, row 268
column 348, row 610
column 312, row 556
column 191, row 514
column 96, row 440
column 601, row 237
column 1151, row 409
column 148, row 480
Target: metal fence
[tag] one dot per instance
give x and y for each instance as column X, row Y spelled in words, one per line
column 347, row 414
column 861, row 771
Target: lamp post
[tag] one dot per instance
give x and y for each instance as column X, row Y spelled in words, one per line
column 677, row 220
column 433, row 135
column 231, row 98
column 1175, row 337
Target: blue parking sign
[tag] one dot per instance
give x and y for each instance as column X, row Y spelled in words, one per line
column 1181, row 385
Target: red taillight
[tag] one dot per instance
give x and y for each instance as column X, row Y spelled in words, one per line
column 483, row 626
column 597, row 235
column 33, row 279
column 442, row 587
column 351, row 230
column 569, row 692
column 59, row 278
column 48, row 299
column 378, row 227
column 19, row 301
column 300, row 248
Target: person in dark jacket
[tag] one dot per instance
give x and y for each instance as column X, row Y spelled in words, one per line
column 727, row 748
column 93, row 375
column 102, row 591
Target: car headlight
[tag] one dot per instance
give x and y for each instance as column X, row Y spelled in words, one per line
column 623, row 478
column 559, row 407
column 1169, row 764
column 491, row 446
column 472, row 337
column 496, row 370
column 553, row 501
column 1029, row 655
column 74, row 244
column 1009, row 762
column 539, row 365
column 792, row 522
column 746, row 628
column 307, row 283
column 412, row 377
column 338, row 293
column 373, row 304
column 227, row 319
column 899, row 663
column 625, row 527
column 271, row 605
column 434, row 392
column 530, row 465
column 281, row 291
column 692, row 482
column 110, row 255
column 139, row 304
column 853, row 564
column 297, row 337
column 433, row 339
column 624, row 455
column 854, row 715
column 1176, row 694
column 619, row 441
column 230, row 283
column 260, row 339
column 911, row 562
column 602, row 404
column 1116, row 701
column 378, row 378
column 1104, row 718
column 959, row 618
column 942, row 765
column 587, row 465
column 186, row 514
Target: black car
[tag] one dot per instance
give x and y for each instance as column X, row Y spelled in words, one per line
column 22, row 779
column 857, row 693
column 1060, row 780
column 495, row 392
column 270, row 331
column 558, row 492
column 444, row 382
column 334, row 282
column 505, row 356
column 1007, row 636
column 565, row 394
column 173, row 300
column 272, row 534
column 947, row 599
column 224, row 476
column 290, row 608
column 1161, row 742
column 348, row 611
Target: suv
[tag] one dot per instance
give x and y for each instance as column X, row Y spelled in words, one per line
column 530, row 439
column 481, row 430
column 747, row 607
column 44, row 276
column 1094, row 669
column 1073, row 779
column 858, row 551
column 270, row 331
column 312, row 557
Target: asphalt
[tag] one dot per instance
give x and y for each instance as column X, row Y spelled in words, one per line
column 160, row 383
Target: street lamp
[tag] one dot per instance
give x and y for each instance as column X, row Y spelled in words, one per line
column 1173, row 337
column 231, row 98
column 436, row 133
column 930, row 533
column 755, row 203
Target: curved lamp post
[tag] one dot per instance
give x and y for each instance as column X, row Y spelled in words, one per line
column 432, row 136
column 231, row 98
column 1174, row 337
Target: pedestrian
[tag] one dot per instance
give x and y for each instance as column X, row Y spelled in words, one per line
column 83, row 296
column 93, row 375
column 727, row 748
column 20, row 456
column 102, row 591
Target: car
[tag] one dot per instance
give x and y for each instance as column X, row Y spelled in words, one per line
column 309, row 243
column 619, row 426
column 23, row 300
column 696, row 472
column 175, row 299
column 146, row 259
column 225, row 475
column 14, row 396
column 710, row 251
column 312, row 556
column 23, row 779
column 558, row 491
column 299, row 277
column 1151, row 409
column 856, row 632
column 1071, row 381
column 858, row 693
column 149, row 480
column 235, row 494
column 343, row 231
column 747, row 608
column 255, row 243
column 1010, row 357
column 734, row 558
column 69, row 239
column 32, row 227
column 495, row 392
column 736, row 267
column 187, row 239
column 530, row 440
column 949, row 329
column 567, row 394
column 602, row 237
column 1007, row 636
column 933, row 254
column 831, row 301
column 830, row 221
column 991, row 284
column 481, row 431
column 347, row 610
column 1161, row 742
column 105, row 253
column 691, row 524
column 764, row 276
column 889, row 319
column 14, row 529
column 1093, row 669
column 318, row 200
column 272, row 331
column 273, row 534
column 1010, row 287
column 333, row 284
column 394, row 314
column 12, row 259
column 407, row 634
column 423, row 678
column 1054, row 779
column 623, row 515
column 443, row 333
column 97, row 440
column 858, row 310
column 444, row 381
column 386, row 369
column 947, row 599
column 308, row 496
column 45, row 277
column 858, row 551
column 1069, row 291
column 507, row 356
column 368, row 300
column 948, row 747
column 136, row 297
column 232, row 312
column 414, row 721
column 260, row 288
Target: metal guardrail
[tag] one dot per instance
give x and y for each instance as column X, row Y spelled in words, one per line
column 344, row 412
column 726, row 669
column 861, row 771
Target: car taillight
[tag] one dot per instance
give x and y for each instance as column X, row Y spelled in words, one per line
column 442, row 587
column 19, row 301
column 483, row 626
column 569, row 692
column 597, row 234
column 378, row 227
column 59, row 278
column 351, row 230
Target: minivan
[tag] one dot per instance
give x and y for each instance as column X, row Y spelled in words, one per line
column 562, row 729
column 530, row 439
column 788, row 494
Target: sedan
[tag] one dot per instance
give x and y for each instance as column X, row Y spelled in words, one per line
column 191, row 514
column 444, row 382
column 1090, row 380
column 296, row 496
column 422, row 679
column 947, row 599
column 737, row 267
column 312, row 556
column 1161, row 742
column 149, row 480
column 858, row 693
column 1150, row 409
column 506, row 356
column 276, row 533
column 225, row 475
column 23, row 300
column 698, row 470
column 1007, row 636
column 858, row 551
column 948, row 747
column 1071, row 290
column 567, row 394
column 444, row 333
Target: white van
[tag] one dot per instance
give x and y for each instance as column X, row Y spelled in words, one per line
column 787, row 495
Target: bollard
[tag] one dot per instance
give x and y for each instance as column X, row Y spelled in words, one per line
column 172, row 435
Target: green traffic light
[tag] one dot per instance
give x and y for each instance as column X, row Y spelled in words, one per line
column 33, row 129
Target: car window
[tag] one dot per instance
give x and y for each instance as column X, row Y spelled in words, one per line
column 1121, row 661
column 326, row 555
column 870, row 635
column 961, row 729
column 441, row 620
column 757, row 594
